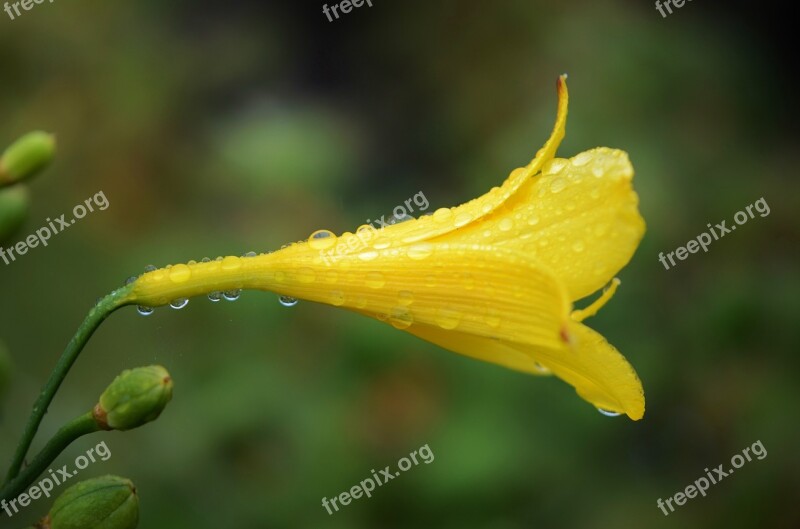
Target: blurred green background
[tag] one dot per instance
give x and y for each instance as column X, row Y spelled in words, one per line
column 218, row 128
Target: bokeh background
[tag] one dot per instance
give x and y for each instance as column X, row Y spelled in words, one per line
column 218, row 128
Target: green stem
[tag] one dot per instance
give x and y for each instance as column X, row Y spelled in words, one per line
column 75, row 429
column 96, row 316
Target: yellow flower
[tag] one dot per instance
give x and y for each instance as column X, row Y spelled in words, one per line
column 493, row 279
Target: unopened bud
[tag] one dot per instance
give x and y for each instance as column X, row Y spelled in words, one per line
column 26, row 157
column 108, row 502
column 134, row 398
column 13, row 209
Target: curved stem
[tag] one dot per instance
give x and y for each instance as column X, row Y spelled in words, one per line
column 83, row 425
column 96, row 316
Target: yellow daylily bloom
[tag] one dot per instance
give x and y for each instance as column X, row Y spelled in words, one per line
column 493, row 279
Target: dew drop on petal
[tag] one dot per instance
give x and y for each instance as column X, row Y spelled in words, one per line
column 231, row 263
column 369, row 255
column 558, row 185
column 322, row 240
column 178, row 304
column 214, row 296
column 180, row 273
column 150, row 268
column 287, row 301
column 442, row 214
column 232, row 295
column 448, row 318
column 205, row 260
column 462, row 219
column 337, row 298
column 250, row 254
column 578, row 246
column 506, row 224
column 405, row 297
column 131, row 280
column 582, row 159
column 608, row 413
column 420, row 251
column 375, row 280
column 145, row 311
column 401, row 318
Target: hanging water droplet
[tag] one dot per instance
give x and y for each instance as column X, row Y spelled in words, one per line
column 322, row 239
column 145, row 311
column 214, row 296
column 178, row 304
column 608, row 413
column 150, row 268
column 287, row 301
column 232, row 295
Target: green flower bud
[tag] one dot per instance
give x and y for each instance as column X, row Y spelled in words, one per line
column 108, row 502
column 26, row 157
column 134, row 398
column 13, row 209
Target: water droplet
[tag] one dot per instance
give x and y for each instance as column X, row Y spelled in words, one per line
column 554, row 166
column 306, row 275
column 368, row 255
column 578, row 246
column 150, row 268
column 287, row 301
column 322, row 239
column 145, row 311
column 249, row 254
column 180, row 273
column 540, row 368
column 375, row 280
column 420, row 251
column 506, row 224
column 442, row 214
column 582, row 159
column 178, row 304
column 405, row 297
column 448, row 318
column 131, row 280
column 462, row 219
column 608, row 413
column 533, row 220
column 382, row 243
column 558, row 185
column 231, row 263
column 214, row 296
column 360, row 302
column 205, row 260
column 232, row 295
column 337, row 298
column 401, row 318
column 598, row 171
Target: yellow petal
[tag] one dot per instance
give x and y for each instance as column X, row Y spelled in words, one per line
column 579, row 217
column 597, row 371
